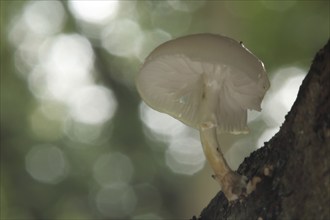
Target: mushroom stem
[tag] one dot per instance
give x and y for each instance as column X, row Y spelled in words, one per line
column 212, row 150
column 232, row 184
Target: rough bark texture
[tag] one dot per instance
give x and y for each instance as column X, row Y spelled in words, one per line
column 294, row 165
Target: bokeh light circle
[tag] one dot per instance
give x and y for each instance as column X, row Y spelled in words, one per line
column 46, row 163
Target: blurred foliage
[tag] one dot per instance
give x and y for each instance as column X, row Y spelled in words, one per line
column 63, row 157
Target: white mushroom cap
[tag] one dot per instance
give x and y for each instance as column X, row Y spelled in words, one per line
column 204, row 77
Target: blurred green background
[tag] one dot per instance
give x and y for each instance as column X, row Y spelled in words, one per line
column 76, row 140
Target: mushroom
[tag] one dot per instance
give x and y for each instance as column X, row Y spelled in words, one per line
column 208, row 82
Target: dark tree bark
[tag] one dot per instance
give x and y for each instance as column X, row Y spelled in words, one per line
column 294, row 166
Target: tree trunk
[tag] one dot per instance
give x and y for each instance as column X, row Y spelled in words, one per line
column 294, row 166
